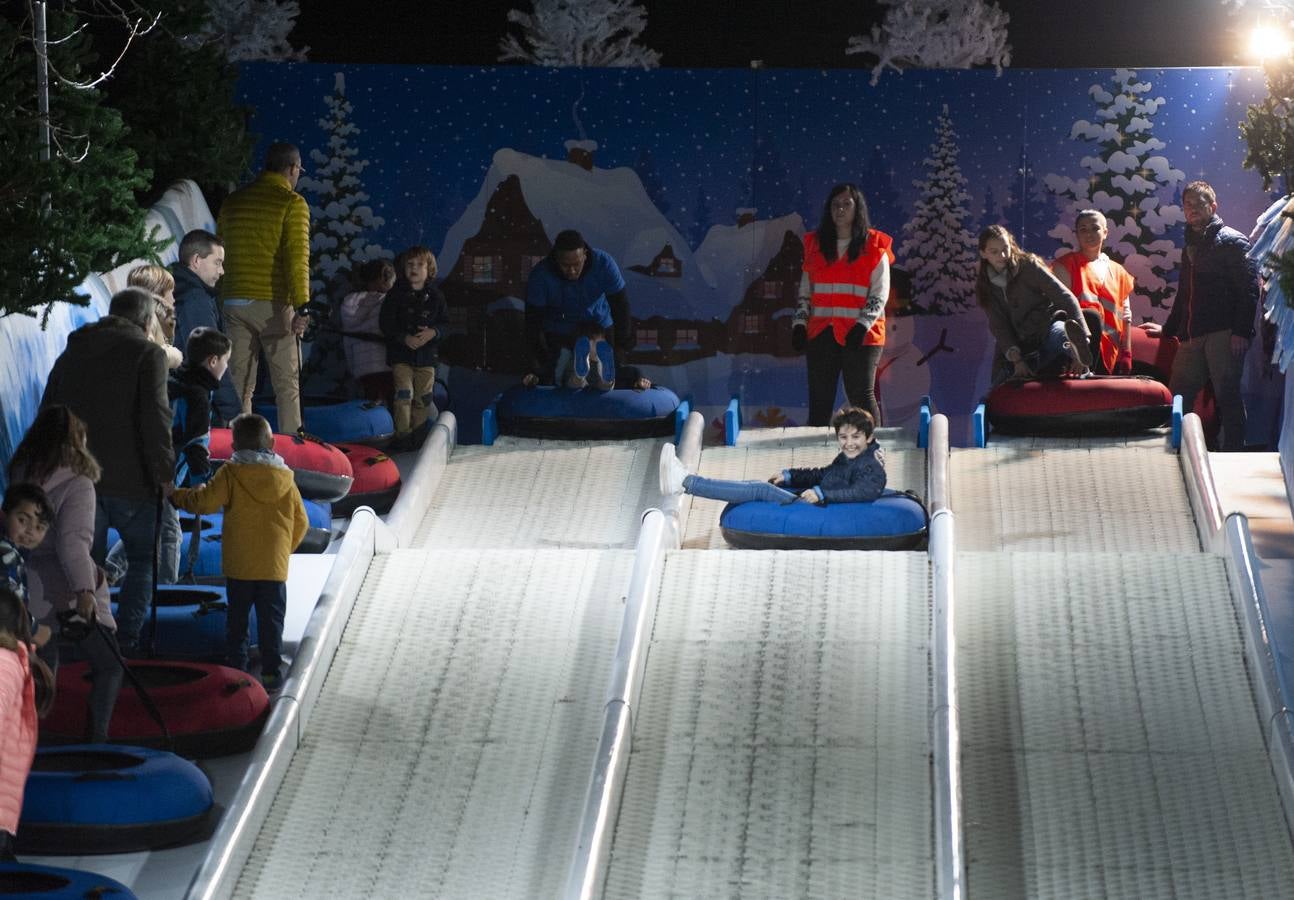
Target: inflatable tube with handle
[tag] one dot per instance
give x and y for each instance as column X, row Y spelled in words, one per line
column 210, row 710
column 51, row 883
column 321, row 471
column 1074, row 407
column 894, row 521
column 588, row 414
column 96, row 798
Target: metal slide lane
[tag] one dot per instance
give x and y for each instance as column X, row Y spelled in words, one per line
column 1111, row 742
column 449, row 747
column 780, row 745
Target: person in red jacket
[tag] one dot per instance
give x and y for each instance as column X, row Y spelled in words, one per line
column 840, row 319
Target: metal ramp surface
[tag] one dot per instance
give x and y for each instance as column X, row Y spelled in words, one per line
column 1111, row 742
column 1104, row 497
column 780, row 745
column 760, row 454
column 534, row 493
column 449, row 750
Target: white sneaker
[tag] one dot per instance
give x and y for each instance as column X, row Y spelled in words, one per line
column 672, row 472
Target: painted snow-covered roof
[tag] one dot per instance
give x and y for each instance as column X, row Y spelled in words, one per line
column 609, row 207
column 688, row 297
column 731, row 258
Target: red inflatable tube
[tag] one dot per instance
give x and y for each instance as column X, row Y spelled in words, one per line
column 322, row 472
column 1079, row 406
column 376, row 484
column 210, row 710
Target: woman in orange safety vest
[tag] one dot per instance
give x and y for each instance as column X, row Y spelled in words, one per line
column 840, row 318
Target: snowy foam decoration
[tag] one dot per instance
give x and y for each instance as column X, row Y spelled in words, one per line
column 1079, row 406
column 588, row 414
column 894, row 521
column 101, row 799
column 731, row 258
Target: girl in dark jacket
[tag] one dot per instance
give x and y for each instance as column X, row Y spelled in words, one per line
column 1035, row 320
column 856, row 475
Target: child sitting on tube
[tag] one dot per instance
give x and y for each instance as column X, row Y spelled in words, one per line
column 856, row 475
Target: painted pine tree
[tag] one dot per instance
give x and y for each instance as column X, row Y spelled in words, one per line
column 340, row 220
column 340, row 217
column 1129, row 180
column 937, row 250
column 579, row 33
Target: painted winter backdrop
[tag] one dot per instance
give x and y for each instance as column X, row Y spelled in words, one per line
column 701, row 183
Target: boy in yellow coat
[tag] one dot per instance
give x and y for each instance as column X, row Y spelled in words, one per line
column 265, row 520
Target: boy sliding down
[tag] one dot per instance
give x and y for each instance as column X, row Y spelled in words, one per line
column 856, row 475
column 265, row 520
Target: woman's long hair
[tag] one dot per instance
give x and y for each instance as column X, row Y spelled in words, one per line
column 827, row 236
column 1013, row 255
column 57, row 438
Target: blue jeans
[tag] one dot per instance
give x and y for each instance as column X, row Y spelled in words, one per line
column 136, row 522
column 1049, row 359
column 736, row 491
column 271, row 601
column 168, row 554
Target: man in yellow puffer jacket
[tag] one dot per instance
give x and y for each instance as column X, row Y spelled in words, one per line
column 265, row 227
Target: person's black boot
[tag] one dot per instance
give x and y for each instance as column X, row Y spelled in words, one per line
column 6, row 847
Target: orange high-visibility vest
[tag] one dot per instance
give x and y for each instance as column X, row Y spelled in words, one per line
column 1106, row 295
column 840, row 288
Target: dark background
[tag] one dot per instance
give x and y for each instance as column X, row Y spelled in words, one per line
column 704, row 33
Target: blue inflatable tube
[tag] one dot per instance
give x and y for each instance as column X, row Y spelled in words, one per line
column 190, row 622
column 895, row 521
column 351, row 421
column 96, row 798
column 317, row 539
column 588, row 414
column 51, row 883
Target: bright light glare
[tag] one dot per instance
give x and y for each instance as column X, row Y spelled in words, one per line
column 1268, row 41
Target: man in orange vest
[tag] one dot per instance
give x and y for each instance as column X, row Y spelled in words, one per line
column 1104, row 290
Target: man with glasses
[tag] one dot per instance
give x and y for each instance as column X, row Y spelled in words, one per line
column 265, row 228
column 1213, row 312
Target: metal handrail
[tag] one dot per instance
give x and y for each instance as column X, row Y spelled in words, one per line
column 660, row 532
column 1200, row 489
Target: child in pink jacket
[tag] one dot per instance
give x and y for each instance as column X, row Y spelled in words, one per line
column 17, row 715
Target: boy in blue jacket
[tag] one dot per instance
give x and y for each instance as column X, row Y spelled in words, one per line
column 856, row 475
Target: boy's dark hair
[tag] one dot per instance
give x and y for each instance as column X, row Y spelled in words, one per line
column 204, row 342
column 852, row 415
column 28, row 492
column 371, row 270
column 251, row 432
column 198, row 242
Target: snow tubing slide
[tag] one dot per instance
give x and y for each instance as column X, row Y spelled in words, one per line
column 587, row 414
column 894, row 521
column 356, row 421
column 210, row 710
column 376, row 484
column 1079, row 406
column 94, row 798
column 321, row 470
column 318, row 536
column 51, row 883
column 190, row 622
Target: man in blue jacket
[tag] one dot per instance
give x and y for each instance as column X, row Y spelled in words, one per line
column 576, row 307
column 1213, row 312
column 201, row 263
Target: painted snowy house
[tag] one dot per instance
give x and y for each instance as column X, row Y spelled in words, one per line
column 581, row 153
column 761, row 322
column 493, row 268
column 508, row 228
column 664, row 265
